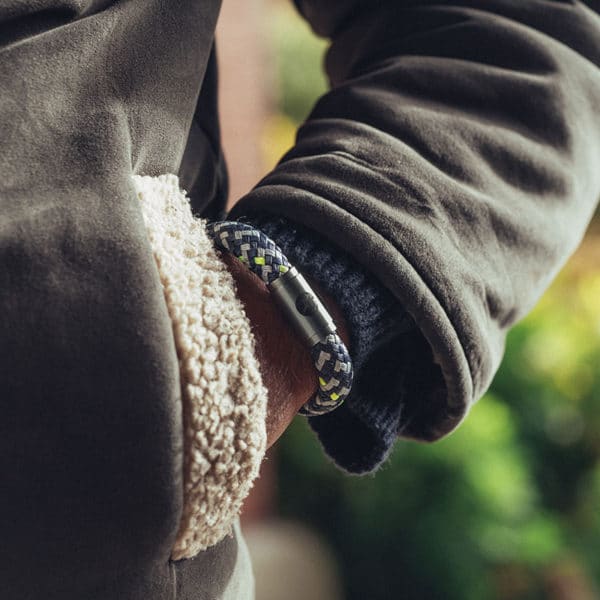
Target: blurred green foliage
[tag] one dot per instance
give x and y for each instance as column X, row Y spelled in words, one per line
column 298, row 55
column 506, row 507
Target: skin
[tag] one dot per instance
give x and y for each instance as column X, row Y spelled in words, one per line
column 286, row 366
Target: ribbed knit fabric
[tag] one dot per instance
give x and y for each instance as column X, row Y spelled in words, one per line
column 359, row 435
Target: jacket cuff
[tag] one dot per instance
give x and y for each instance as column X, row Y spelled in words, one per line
column 359, row 435
column 223, row 397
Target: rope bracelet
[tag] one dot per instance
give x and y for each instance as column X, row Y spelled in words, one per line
column 301, row 306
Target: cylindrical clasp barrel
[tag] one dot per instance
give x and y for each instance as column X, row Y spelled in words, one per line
column 302, row 307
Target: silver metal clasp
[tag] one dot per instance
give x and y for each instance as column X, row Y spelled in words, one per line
column 302, row 307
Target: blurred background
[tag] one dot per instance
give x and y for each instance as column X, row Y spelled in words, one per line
column 507, row 507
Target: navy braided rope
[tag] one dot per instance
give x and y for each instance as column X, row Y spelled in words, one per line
column 264, row 258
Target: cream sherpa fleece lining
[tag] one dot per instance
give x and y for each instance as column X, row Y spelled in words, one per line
column 224, row 399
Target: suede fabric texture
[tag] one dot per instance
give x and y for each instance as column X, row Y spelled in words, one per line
column 91, row 435
column 455, row 158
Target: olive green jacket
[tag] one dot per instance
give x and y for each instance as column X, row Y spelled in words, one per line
column 455, row 157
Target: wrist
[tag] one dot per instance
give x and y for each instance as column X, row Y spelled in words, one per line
column 285, row 363
column 299, row 305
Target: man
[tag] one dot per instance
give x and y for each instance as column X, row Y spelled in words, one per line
column 432, row 195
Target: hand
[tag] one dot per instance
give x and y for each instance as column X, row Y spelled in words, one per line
column 286, row 365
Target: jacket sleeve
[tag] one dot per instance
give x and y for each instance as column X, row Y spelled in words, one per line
column 455, row 159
